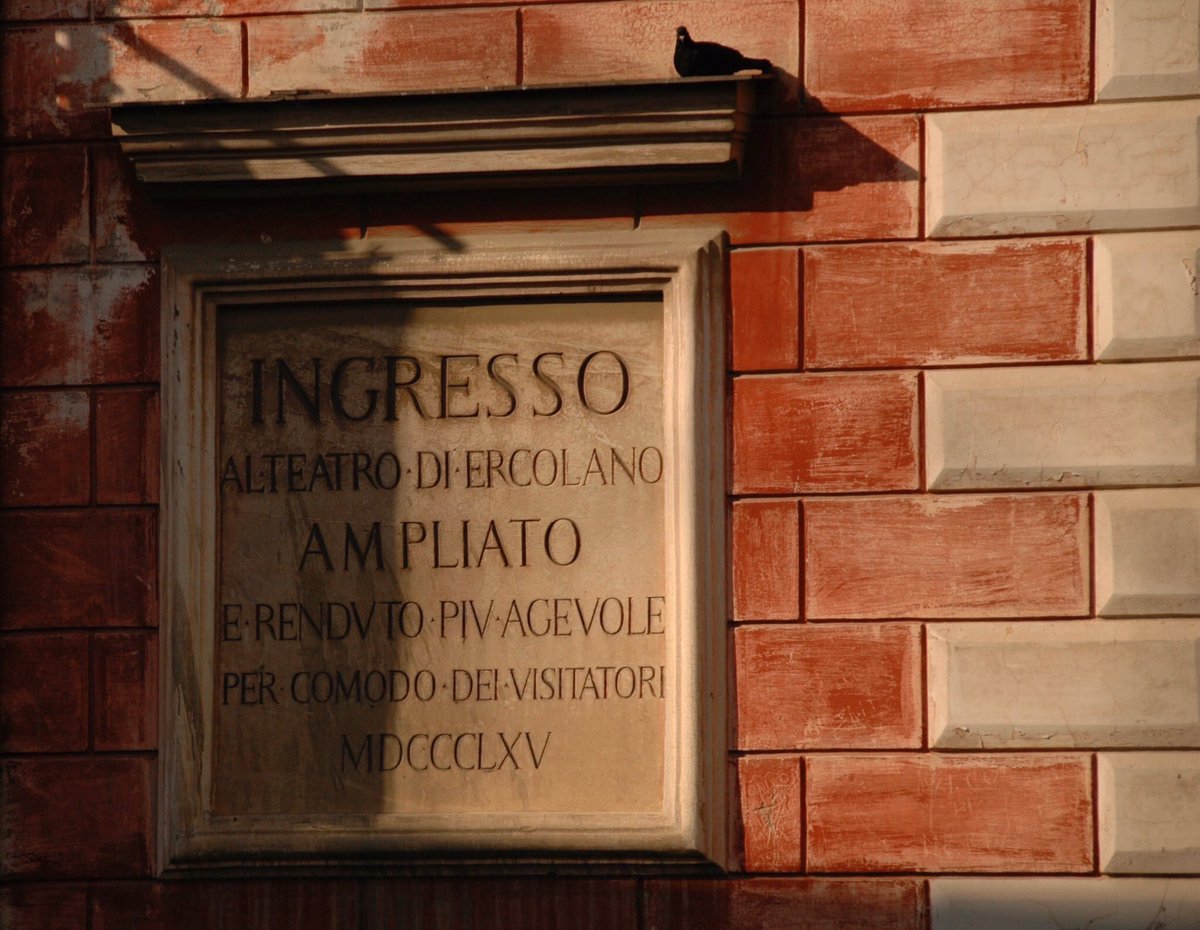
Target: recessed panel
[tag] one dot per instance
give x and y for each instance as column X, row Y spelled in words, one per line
column 442, row 579
column 443, row 555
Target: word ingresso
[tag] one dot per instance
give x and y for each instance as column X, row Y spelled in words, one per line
column 357, row 388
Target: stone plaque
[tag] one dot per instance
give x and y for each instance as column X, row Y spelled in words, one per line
column 435, row 570
column 442, row 574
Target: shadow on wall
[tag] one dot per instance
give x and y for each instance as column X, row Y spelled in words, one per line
column 808, row 176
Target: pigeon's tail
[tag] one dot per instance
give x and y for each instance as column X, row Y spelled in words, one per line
column 757, row 64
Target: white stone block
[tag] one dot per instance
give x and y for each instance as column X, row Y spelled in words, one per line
column 1148, row 552
column 1064, row 684
column 1063, row 426
column 1147, row 295
column 1147, row 48
column 1065, row 903
column 1063, row 169
column 1149, row 808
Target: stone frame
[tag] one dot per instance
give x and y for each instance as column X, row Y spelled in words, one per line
column 688, row 267
column 679, row 130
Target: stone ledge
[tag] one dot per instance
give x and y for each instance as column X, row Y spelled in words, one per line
column 689, row 130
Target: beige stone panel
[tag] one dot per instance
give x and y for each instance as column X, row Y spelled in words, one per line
column 461, row 554
column 1146, row 295
column 1147, row 48
column 1064, row 684
column 1148, row 552
column 1065, row 426
column 1059, row 903
column 1063, row 169
column 395, row 516
column 1149, row 804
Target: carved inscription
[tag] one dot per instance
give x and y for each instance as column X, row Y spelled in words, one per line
column 442, row 574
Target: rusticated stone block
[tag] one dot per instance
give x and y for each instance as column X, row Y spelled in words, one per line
column 1147, row 48
column 1148, row 552
column 1063, row 426
column 1149, row 808
column 1055, row 903
column 1063, row 169
column 1053, row 685
column 1145, row 294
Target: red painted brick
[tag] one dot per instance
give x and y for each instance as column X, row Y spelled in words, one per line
column 502, row 903
column 277, row 904
column 930, row 813
column 418, row 4
column 125, row 691
column 79, row 326
column 76, row 818
column 11, row 10
column 635, row 40
column 923, row 54
column 127, row 428
column 383, row 52
column 960, row 556
column 164, row 60
column 44, row 448
column 828, row 687
column 39, row 97
column 764, row 287
column 140, row 905
column 43, row 194
column 809, row 180
column 44, row 693
column 895, row 304
column 82, row 568
column 131, row 226
column 785, row 904
column 118, row 9
column 56, row 906
column 766, row 560
column 772, row 810
column 66, row 69
column 824, row 433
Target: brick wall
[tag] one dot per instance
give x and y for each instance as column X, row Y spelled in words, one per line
column 965, row 472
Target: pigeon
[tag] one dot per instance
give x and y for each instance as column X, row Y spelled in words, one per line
column 709, row 59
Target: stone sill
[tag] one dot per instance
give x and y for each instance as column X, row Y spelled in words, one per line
column 670, row 131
